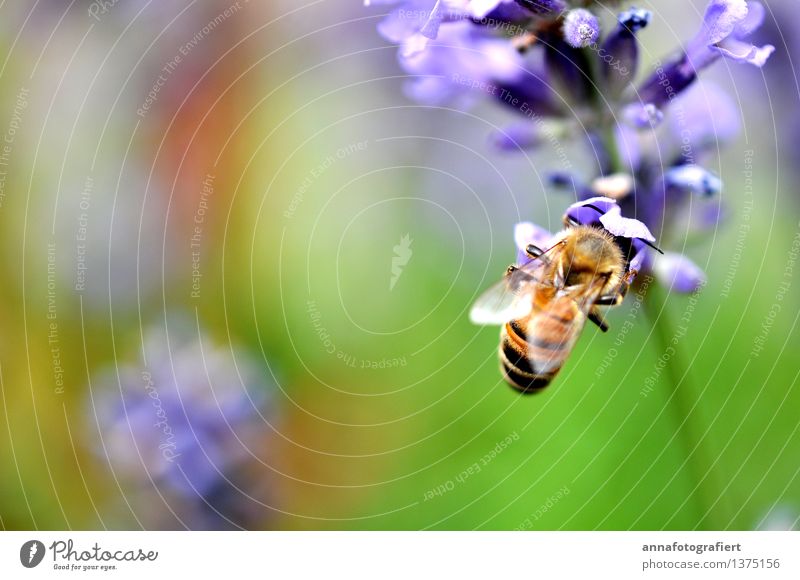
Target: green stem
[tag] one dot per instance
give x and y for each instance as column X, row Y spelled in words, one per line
column 606, row 122
column 612, row 147
column 681, row 404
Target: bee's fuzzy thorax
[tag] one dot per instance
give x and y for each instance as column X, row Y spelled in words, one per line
column 589, row 255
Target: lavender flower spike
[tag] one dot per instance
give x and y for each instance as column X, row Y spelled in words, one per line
column 185, row 422
column 539, row 68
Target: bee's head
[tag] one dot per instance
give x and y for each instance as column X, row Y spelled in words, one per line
column 591, row 256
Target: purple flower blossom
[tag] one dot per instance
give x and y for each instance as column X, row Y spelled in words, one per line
column 630, row 230
column 726, row 26
column 185, row 420
column 613, row 221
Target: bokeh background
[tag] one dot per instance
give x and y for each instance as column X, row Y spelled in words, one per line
column 203, row 326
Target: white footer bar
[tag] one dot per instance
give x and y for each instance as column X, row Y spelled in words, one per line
column 372, row 555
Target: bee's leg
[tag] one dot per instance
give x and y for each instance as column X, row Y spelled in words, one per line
column 615, row 297
column 523, row 42
column 511, row 269
column 618, row 295
column 597, row 318
column 533, row 251
column 610, row 299
column 536, row 253
column 571, row 222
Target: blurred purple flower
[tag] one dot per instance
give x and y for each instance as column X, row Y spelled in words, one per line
column 187, row 418
column 527, row 233
column 524, row 135
column 678, row 272
column 464, row 61
column 693, row 179
column 415, row 22
column 705, row 118
column 642, row 116
column 517, row 137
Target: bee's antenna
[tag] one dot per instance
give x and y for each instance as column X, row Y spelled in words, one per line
column 645, row 242
column 595, row 208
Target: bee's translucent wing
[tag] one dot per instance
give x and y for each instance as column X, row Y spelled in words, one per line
column 554, row 341
column 499, row 304
column 509, row 299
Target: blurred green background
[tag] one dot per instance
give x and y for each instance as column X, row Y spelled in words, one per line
column 386, row 409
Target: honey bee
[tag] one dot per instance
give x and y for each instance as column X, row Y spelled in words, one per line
column 544, row 304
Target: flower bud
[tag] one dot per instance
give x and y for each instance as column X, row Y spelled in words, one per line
column 678, row 272
column 620, row 52
column 693, row 179
column 580, row 28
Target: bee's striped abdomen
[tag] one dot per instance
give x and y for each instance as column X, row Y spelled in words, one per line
column 534, row 349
